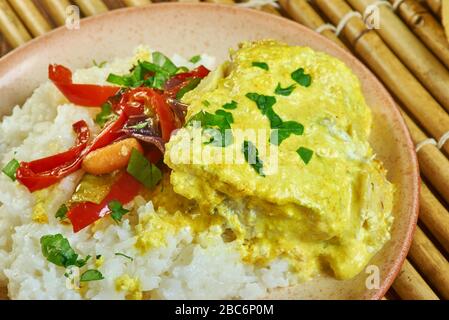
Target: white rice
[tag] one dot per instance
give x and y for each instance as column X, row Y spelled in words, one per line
column 187, row 267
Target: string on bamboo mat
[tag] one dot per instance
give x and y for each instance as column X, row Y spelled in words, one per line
column 439, row 144
column 326, row 26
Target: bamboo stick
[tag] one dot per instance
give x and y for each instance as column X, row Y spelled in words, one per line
column 426, row 27
column 11, row 27
column 409, row 285
column 430, row 262
column 270, row 9
column 434, row 216
column 31, row 16
column 302, row 12
column 424, row 65
column 135, row 3
column 221, row 1
column 433, row 164
column 57, row 10
column 435, row 6
column 370, row 47
column 445, row 17
column 91, row 7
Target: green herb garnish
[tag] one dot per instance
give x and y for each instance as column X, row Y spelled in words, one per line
column 215, row 125
column 302, row 78
column 227, row 115
column 91, row 275
column 58, row 251
column 117, row 210
column 284, row 91
column 305, row 154
column 285, row 130
column 99, row 65
column 252, row 157
column 124, row 255
column 106, row 114
column 230, row 106
column 165, row 63
column 61, row 214
column 261, row 65
column 188, row 87
column 265, row 105
column 195, row 59
column 144, row 171
column 11, row 168
column 205, row 103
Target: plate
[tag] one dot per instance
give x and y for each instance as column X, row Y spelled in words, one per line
column 189, row 29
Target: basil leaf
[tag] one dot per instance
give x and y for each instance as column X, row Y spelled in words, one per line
column 58, row 251
column 61, row 214
column 252, row 157
column 91, row 275
column 302, row 78
column 142, row 170
column 188, row 87
column 11, row 168
column 164, row 62
column 305, row 154
column 195, row 59
column 261, row 65
column 124, row 255
column 284, row 131
column 284, row 91
column 265, row 105
column 106, row 114
column 230, row 106
column 117, row 210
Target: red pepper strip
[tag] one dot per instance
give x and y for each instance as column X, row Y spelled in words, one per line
column 86, row 213
column 133, row 103
column 87, row 95
column 43, row 173
column 174, row 84
column 39, row 174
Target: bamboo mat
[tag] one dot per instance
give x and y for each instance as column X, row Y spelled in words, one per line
column 409, row 53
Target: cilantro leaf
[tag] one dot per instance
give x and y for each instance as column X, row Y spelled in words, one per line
column 302, row 78
column 216, row 126
column 265, row 105
column 305, row 154
column 284, row 131
column 205, row 103
column 252, row 157
column 261, row 65
column 117, row 210
column 230, row 106
column 227, row 115
column 91, row 275
column 11, row 168
column 284, row 91
column 61, row 214
column 58, row 251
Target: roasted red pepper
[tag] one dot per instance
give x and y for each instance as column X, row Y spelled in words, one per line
column 42, row 173
column 174, row 84
column 39, row 174
column 87, row 95
column 83, row 214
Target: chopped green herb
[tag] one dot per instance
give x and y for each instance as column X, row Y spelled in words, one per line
column 230, row 106
column 117, row 210
column 62, row 212
column 98, row 256
column 99, row 65
column 227, row 115
column 284, row 131
column 144, row 171
column 265, row 104
column 91, row 275
column 215, row 125
column 195, row 59
column 105, row 115
column 11, row 168
column 139, row 126
column 206, row 103
column 261, row 65
column 252, row 157
column 124, row 255
column 189, row 87
column 305, row 154
column 58, row 251
column 302, row 78
column 165, row 63
column 284, row 91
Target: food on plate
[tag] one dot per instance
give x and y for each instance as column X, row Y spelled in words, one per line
column 158, row 178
